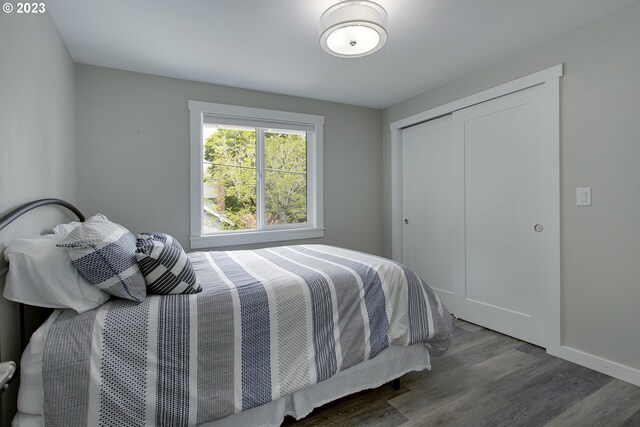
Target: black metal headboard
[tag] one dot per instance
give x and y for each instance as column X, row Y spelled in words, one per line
column 16, row 213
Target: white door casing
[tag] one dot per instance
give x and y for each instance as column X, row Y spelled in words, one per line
column 549, row 79
column 525, row 308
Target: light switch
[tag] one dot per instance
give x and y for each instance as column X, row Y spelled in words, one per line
column 583, row 196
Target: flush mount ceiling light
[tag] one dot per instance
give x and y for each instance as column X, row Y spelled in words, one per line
column 353, row 28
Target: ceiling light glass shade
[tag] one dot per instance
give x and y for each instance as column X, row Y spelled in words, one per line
column 353, row 28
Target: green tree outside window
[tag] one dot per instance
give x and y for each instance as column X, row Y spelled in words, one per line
column 230, row 177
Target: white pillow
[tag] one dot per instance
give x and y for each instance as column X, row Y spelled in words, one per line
column 63, row 230
column 42, row 274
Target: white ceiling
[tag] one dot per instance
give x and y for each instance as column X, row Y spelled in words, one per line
column 273, row 45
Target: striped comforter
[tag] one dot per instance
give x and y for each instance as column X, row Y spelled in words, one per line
column 269, row 322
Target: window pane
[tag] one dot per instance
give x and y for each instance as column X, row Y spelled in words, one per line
column 285, row 195
column 229, row 179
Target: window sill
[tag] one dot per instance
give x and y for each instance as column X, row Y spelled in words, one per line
column 249, row 237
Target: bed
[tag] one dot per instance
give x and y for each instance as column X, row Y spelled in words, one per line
column 274, row 332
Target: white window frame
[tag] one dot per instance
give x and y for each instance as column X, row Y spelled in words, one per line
column 313, row 228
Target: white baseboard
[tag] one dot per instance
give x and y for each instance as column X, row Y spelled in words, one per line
column 608, row 367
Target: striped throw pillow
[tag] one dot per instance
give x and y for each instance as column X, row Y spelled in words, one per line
column 105, row 254
column 161, row 237
column 166, row 268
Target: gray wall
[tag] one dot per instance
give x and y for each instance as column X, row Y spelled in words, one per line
column 600, row 147
column 37, row 143
column 133, row 153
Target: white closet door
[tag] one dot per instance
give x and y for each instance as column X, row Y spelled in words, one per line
column 430, row 184
column 504, row 184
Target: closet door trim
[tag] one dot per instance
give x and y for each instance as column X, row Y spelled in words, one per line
column 550, row 78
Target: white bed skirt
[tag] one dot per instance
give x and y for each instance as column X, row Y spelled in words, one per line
column 392, row 363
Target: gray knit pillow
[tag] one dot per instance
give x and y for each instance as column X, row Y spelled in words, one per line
column 105, row 254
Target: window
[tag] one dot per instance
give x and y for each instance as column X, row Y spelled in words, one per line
column 256, row 175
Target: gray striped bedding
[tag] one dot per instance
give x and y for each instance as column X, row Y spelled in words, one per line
column 268, row 322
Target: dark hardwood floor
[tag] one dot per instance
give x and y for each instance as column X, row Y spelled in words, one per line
column 489, row 379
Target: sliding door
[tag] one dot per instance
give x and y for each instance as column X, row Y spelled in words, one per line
column 430, row 183
column 475, row 205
